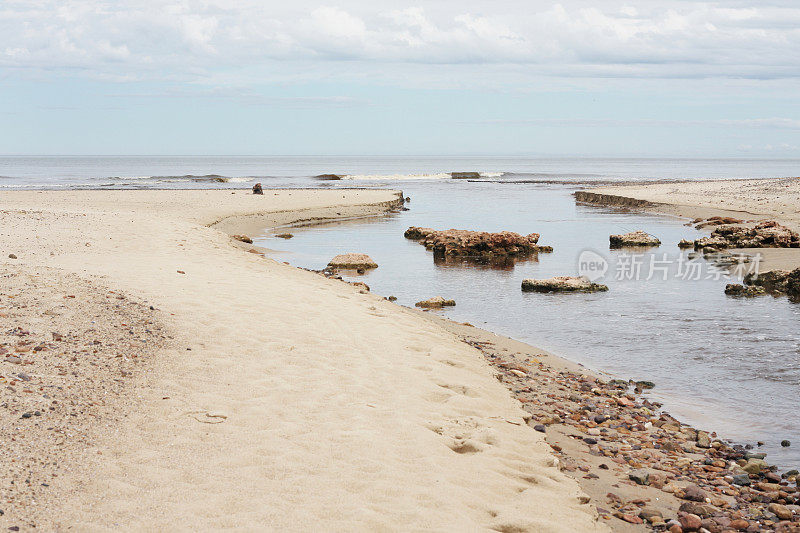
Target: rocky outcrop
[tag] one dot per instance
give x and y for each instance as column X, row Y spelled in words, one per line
column 700, row 223
column 588, row 197
column 328, row 177
column 476, row 244
column 436, row 302
column 776, row 282
column 562, row 284
column 768, row 234
column 635, row 238
column 257, row 189
column 352, row 262
column 737, row 289
column 465, row 175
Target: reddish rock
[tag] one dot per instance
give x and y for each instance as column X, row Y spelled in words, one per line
column 690, row 522
column 479, row 244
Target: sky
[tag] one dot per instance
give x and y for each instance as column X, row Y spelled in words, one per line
column 441, row 77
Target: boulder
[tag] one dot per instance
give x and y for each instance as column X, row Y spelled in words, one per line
column 352, row 262
column 562, row 284
column 284, row 235
column 435, row 303
column 776, row 281
column 685, row 243
column 328, row 177
column 476, row 244
column 767, row 234
column 635, row 238
column 257, row 189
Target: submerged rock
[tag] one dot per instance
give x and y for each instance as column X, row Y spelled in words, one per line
column 562, row 284
column 352, row 262
column 635, row 238
column 435, row 303
column 284, row 235
column 476, row 244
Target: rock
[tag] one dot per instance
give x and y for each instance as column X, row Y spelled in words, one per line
column 736, row 289
column 476, row 244
column 700, row 509
column 768, row 234
column 781, row 511
column 636, row 238
column 465, row 175
column 703, row 440
column 640, row 476
column 690, row 522
column 694, row 493
column 739, row 524
column 243, row 238
column 785, row 443
column 631, row 519
column 392, row 298
column 755, row 466
column 24, row 377
column 257, row 189
column 540, row 428
column 651, row 515
column 685, row 243
column 328, row 177
column 562, row 284
column 742, row 480
column 352, row 262
column 12, row 256
column 284, row 235
column 435, row 303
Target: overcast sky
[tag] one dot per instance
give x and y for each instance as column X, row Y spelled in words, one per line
column 655, row 78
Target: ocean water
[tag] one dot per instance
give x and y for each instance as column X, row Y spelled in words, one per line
column 727, row 365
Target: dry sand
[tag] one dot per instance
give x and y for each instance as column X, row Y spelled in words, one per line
column 775, row 199
column 281, row 400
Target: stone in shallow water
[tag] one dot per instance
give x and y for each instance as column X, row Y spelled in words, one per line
column 435, row 302
column 635, row 238
column 562, row 284
column 476, row 244
column 352, row 261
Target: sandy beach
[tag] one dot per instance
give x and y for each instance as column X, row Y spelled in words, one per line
column 214, row 388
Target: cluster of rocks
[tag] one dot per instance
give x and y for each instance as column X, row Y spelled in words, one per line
column 774, row 282
column 242, row 238
column 700, row 223
column 633, row 239
column 476, row 244
column 767, row 234
column 562, row 284
column 664, row 475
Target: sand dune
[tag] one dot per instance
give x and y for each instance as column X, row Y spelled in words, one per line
column 284, row 401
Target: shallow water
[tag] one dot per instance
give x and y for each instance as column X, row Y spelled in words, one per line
column 727, row 365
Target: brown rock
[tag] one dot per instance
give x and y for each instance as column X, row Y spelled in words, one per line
column 284, row 235
column 352, row 262
column 694, row 493
column 243, row 238
column 435, row 303
column 781, row 511
column 476, row 244
column 690, row 522
column 257, row 189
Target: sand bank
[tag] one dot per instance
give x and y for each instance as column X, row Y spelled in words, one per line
column 774, row 199
column 280, row 400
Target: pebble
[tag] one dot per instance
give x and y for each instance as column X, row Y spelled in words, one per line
column 12, row 256
column 540, row 428
column 785, row 443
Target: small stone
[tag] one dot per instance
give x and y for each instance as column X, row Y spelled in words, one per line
column 589, row 440
column 651, row 515
column 785, row 443
column 540, row 428
column 24, row 377
column 742, row 480
column 12, row 256
column 628, row 518
column 703, row 440
column 694, row 493
column 27, row 415
column 755, row 466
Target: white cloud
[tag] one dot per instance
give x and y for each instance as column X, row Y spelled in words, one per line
column 574, row 38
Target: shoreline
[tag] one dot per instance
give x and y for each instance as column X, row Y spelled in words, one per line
column 321, row 400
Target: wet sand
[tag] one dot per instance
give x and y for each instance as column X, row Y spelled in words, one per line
column 268, row 397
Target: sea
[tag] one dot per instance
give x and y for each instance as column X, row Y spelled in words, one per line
column 720, row 363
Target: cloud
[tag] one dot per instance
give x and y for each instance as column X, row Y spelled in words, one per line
column 190, row 40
